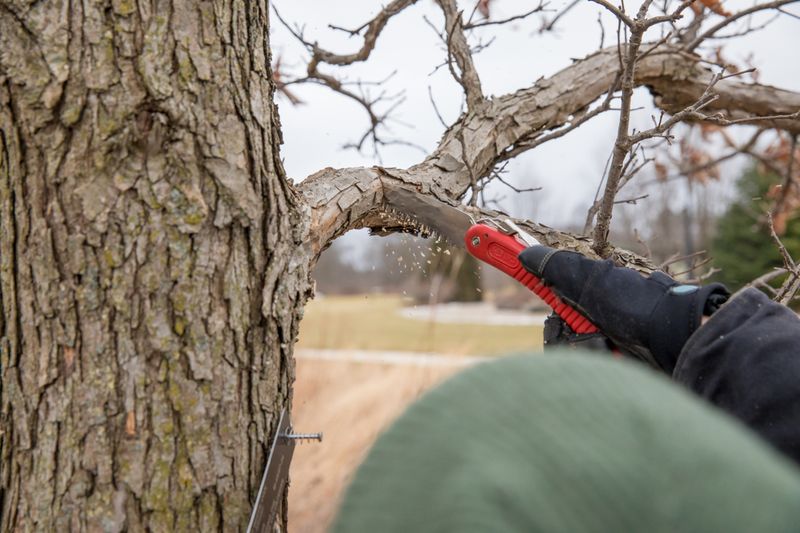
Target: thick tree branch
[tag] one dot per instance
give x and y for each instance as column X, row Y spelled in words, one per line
column 510, row 123
column 348, row 198
column 352, row 198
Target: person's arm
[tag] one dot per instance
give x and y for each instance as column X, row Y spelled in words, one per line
column 745, row 359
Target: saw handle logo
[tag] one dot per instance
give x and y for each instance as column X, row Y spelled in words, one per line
column 501, row 250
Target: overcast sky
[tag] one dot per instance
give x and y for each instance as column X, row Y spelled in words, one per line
column 568, row 169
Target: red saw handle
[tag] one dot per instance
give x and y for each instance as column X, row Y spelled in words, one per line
column 500, row 250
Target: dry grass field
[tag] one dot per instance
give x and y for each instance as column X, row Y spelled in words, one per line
column 351, row 402
column 373, row 322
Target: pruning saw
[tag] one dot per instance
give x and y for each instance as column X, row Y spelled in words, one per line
column 496, row 241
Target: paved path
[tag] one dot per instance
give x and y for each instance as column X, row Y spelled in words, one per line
column 389, row 357
column 472, row 313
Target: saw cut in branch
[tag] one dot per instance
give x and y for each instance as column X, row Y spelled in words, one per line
column 353, row 198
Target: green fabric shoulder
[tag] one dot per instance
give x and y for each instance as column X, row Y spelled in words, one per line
column 568, row 442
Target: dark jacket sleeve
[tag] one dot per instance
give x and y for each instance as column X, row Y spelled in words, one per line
column 746, row 360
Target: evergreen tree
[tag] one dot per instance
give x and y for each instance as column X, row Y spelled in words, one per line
column 743, row 247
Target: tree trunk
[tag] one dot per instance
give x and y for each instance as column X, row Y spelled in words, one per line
column 152, row 267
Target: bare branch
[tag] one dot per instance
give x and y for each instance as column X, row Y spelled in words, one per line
column 617, row 12
column 538, row 9
column 736, row 16
column 436, row 108
column 471, row 148
column 676, row 15
column 458, row 48
column 625, row 141
column 720, row 120
column 525, row 144
column 622, row 144
column 788, row 179
column 633, row 200
column 343, row 199
column 647, row 253
column 788, row 262
column 791, row 285
column 676, row 258
column 374, row 29
column 762, row 282
column 549, row 25
column 319, row 55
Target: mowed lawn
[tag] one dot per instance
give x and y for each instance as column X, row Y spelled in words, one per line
column 373, row 322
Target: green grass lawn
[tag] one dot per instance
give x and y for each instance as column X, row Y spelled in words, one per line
column 372, row 322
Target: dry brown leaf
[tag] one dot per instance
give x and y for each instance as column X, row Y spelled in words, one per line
column 779, row 150
column 277, row 77
column 694, row 161
column 787, row 204
column 661, row 171
column 707, row 130
column 716, row 7
column 723, row 61
column 483, row 8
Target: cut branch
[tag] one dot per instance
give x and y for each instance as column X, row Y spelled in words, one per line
column 352, row 198
column 472, row 147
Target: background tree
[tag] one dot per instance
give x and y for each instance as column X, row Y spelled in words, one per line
column 154, row 258
column 744, row 249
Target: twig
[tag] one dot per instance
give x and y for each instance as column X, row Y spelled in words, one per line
column 674, row 258
column 436, row 108
column 647, row 253
column 722, row 121
column 625, row 142
column 631, row 201
column 792, row 283
column 548, row 26
column 625, row 19
column 377, row 119
column 788, row 179
column 763, row 280
column 622, row 144
column 458, row 49
column 537, row 9
column 736, row 16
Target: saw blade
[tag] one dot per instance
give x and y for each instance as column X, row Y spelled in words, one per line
column 432, row 214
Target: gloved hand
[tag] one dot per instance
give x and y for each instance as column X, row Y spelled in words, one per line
column 650, row 317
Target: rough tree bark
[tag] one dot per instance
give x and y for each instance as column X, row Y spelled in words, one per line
column 154, row 259
column 151, row 284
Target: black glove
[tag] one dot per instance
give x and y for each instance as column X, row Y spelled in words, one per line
column 650, row 317
column 558, row 334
